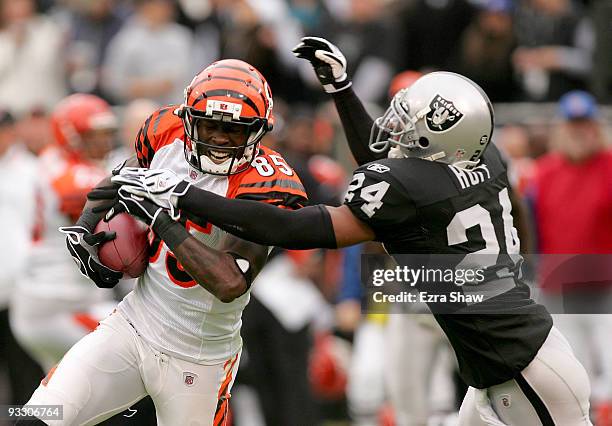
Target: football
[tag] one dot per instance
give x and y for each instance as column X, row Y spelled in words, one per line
column 129, row 251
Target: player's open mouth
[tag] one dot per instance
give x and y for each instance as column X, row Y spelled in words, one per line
column 219, row 156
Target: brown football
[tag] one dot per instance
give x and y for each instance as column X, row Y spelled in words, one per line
column 129, row 251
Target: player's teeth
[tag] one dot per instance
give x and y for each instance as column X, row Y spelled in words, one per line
column 219, row 155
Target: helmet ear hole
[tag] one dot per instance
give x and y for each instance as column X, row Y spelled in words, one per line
column 423, row 142
column 270, row 123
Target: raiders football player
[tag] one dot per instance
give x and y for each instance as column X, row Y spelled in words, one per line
column 429, row 182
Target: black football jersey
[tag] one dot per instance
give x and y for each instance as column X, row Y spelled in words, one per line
column 450, row 216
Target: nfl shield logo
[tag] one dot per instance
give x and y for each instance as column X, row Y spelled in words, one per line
column 193, row 174
column 442, row 115
column 189, row 378
column 506, row 401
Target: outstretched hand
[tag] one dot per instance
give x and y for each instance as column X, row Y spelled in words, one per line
column 327, row 60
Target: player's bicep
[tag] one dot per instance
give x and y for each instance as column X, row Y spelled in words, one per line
column 255, row 254
column 347, row 228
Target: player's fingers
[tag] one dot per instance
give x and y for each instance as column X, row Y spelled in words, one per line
column 127, row 180
column 317, row 42
column 103, row 193
column 106, row 274
column 114, row 211
column 327, row 57
column 99, row 237
column 135, row 190
column 133, row 171
column 305, row 52
column 297, row 46
column 103, row 208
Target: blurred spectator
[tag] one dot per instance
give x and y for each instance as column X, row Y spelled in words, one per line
column 261, row 33
column 570, row 192
column 312, row 15
column 277, row 336
column 572, row 206
column 32, row 66
column 555, row 46
column 93, row 23
column 319, row 175
column 402, row 81
column 485, row 48
column 513, row 140
column 430, row 31
column 18, row 211
column 369, row 42
column 202, row 17
column 34, row 130
column 133, row 115
column 150, row 56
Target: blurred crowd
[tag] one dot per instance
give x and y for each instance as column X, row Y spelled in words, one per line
column 310, row 354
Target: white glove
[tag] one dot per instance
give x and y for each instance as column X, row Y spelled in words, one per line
column 327, row 60
column 161, row 186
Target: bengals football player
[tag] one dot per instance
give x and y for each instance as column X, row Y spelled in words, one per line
column 53, row 305
column 176, row 336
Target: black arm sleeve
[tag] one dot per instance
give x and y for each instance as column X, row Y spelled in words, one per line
column 357, row 125
column 306, row 228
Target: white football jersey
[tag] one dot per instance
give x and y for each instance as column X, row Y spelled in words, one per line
column 167, row 307
column 62, row 188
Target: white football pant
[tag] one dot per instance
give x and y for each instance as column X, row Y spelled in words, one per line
column 553, row 390
column 112, row 368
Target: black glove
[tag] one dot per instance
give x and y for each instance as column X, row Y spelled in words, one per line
column 108, row 193
column 82, row 245
column 327, row 60
column 139, row 207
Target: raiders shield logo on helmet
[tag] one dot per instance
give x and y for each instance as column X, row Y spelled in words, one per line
column 442, row 115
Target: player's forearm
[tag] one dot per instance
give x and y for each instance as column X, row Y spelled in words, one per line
column 214, row 270
column 306, row 228
column 357, row 125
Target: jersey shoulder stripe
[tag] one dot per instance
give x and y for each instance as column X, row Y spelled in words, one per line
column 159, row 129
column 269, row 179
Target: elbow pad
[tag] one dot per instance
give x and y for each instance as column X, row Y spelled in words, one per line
column 244, row 266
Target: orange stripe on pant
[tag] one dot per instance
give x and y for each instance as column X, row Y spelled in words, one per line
column 86, row 320
column 223, row 396
column 45, row 380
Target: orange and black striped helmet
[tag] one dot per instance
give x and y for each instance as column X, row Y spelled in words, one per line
column 228, row 91
column 77, row 116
